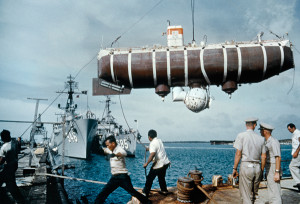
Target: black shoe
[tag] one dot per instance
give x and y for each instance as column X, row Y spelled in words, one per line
column 164, row 192
column 297, row 185
column 145, row 194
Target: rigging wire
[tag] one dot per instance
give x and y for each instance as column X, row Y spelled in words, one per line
column 127, row 122
column 265, row 27
column 116, row 70
column 280, row 39
column 292, row 82
column 83, row 67
column 293, row 74
column 42, row 113
column 140, row 19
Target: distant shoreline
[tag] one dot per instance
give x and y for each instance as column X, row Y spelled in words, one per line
column 180, row 142
column 186, row 142
column 221, row 142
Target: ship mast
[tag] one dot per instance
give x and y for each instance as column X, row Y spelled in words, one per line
column 71, row 85
column 37, row 126
column 108, row 118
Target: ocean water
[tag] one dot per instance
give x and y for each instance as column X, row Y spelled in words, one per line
column 210, row 159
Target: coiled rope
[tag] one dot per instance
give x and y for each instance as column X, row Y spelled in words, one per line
column 184, row 194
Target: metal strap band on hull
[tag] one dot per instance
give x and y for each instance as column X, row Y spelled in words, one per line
column 225, row 64
column 202, row 66
column 168, row 68
column 154, row 68
column 282, row 56
column 112, row 67
column 240, row 63
column 129, row 69
column 265, row 60
column 186, row 68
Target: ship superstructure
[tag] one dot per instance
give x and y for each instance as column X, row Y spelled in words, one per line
column 107, row 126
column 78, row 129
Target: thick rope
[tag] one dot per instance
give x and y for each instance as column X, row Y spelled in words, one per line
column 78, row 179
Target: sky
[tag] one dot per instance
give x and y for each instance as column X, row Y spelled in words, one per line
column 43, row 42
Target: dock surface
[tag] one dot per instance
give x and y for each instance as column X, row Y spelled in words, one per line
column 226, row 194
column 33, row 184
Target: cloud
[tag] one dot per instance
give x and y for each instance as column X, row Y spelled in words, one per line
column 43, row 42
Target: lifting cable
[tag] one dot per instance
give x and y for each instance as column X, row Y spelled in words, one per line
column 193, row 11
column 141, row 18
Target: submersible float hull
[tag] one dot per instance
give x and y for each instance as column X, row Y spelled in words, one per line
column 216, row 64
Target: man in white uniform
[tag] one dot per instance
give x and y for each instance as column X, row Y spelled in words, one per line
column 160, row 164
column 250, row 149
column 120, row 177
column 295, row 163
column 272, row 164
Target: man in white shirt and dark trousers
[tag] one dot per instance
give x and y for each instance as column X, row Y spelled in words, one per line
column 160, row 164
column 295, row 163
column 120, row 177
column 9, row 156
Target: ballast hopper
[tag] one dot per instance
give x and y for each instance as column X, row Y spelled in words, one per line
column 195, row 66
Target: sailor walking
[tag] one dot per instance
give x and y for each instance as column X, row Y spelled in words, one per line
column 160, row 164
column 120, row 177
column 250, row 149
column 9, row 156
column 272, row 164
column 295, row 163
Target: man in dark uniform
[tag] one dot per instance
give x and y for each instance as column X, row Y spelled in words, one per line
column 9, row 156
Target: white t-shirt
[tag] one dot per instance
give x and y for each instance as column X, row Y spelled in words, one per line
column 295, row 140
column 117, row 164
column 9, row 152
column 160, row 158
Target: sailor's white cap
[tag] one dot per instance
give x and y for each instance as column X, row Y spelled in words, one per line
column 251, row 119
column 266, row 126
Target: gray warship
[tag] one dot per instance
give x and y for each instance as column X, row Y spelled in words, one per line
column 107, row 126
column 79, row 129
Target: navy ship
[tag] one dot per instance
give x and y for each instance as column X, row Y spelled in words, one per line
column 107, row 126
column 78, row 130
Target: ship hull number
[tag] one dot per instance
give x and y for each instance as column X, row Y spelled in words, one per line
column 123, row 143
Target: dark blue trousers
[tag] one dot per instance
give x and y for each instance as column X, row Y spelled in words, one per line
column 8, row 176
column 161, row 174
column 123, row 181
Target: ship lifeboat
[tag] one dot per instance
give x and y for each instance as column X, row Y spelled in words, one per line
column 196, row 66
